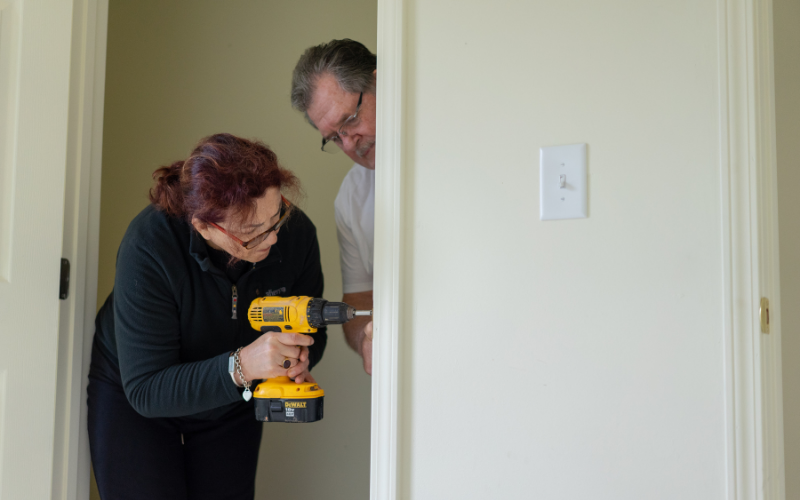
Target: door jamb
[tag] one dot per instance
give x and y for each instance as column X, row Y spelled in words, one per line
column 748, row 175
column 71, row 461
column 389, row 255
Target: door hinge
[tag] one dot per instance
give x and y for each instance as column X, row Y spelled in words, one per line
column 63, row 288
column 763, row 311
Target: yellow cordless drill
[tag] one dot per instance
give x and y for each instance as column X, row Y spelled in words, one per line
column 280, row 399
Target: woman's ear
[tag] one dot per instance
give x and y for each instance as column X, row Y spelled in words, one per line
column 201, row 227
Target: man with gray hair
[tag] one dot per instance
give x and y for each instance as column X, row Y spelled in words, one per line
column 333, row 84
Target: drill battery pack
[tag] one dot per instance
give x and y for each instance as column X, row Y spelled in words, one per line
column 289, row 410
column 280, row 399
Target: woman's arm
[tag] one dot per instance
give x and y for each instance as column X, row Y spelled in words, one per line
column 148, row 331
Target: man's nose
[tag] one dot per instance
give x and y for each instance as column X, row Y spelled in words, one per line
column 349, row 142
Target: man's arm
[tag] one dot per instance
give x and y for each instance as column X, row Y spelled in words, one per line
column 358, row 331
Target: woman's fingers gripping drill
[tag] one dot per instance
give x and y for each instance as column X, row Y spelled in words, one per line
column 301, row 366
column 265, row 357
column 292, row 348
column 291, row 362
column 303, row 356
column 305, row 377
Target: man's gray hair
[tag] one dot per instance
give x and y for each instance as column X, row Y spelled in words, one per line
column 350, row 62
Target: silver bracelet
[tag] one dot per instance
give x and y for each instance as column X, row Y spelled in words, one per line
column 246, row 394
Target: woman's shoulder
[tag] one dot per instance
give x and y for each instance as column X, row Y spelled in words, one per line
column 154, row 232
column 298, row 236
column 300, row 225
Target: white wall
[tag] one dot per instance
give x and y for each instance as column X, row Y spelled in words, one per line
column 787, row 118
column 568, row 359
column 178, row 71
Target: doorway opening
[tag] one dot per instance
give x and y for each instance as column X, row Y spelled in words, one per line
column 179, row 72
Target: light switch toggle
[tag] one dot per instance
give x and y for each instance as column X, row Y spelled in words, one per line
column 559, row 199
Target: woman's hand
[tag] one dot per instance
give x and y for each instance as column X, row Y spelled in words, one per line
column 299, row 372
column 305, row 376
column 264, row 358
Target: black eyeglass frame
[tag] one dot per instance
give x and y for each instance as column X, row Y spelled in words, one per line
column 339, row 134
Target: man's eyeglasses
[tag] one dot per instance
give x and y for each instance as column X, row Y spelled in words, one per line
column 286, row 210
column 334, row 143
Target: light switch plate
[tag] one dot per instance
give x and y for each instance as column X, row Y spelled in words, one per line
column 562, row 182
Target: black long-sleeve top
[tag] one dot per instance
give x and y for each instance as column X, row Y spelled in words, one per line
column 167, row 329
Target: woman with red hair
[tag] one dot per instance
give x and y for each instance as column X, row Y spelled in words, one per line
column 167, row 419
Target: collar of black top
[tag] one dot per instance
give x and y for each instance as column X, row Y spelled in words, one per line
column 199, row 251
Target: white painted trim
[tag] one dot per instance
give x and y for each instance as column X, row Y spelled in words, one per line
column 774, row 475
column 753, row 406
column 3, row 379
column 389, row 251
column 81, row 236
column 93, row 236
column 10, row 67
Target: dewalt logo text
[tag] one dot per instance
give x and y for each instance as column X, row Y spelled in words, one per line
column 295, row 404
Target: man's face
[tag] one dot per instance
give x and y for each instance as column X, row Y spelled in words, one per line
column 331, row 106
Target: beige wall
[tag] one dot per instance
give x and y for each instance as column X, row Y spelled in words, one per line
column 786, row 14
column 563, row 359
column 178, row 71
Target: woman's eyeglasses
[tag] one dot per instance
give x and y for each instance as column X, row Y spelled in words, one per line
column 286, row 209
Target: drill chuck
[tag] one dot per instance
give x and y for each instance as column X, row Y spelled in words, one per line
column 322, row 313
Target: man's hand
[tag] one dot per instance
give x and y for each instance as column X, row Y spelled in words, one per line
column 366, row 348
column 358, row 331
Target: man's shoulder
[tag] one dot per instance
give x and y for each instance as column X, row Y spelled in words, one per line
column 356, row 185
column 358, row 177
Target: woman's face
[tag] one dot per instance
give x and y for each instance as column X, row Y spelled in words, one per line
column 266, row 214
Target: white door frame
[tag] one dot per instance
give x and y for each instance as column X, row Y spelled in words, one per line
column 388, row 249
column 754, row 401
column 754, row 413
column 81, row 236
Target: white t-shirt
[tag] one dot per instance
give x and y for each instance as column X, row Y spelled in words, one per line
column 355, row 226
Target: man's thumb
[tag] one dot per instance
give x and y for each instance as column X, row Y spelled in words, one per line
column 368, row 330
